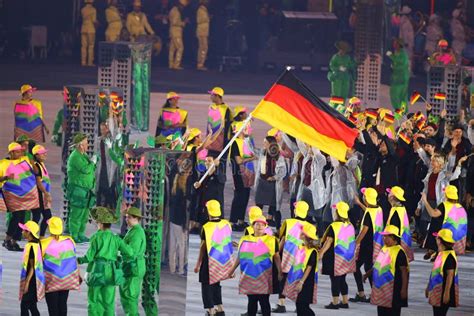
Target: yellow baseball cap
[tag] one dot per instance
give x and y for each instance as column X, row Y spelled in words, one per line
column 55, row 225
column 172, row 95
column 213, row 208
column 26, row 87
column 397, row 192
column 342, row 209
column 301, row 209
column 391, row 230
column 217, row 91
column 260, row 219
column 254, row 212
column 31, row 227
column 309, row 230
column 14, row 146
column 445, row 234
column 451, row 192
column 239, row 109
column 370, row 195
column 273, row 132
column 38, row 149
column 193, row 132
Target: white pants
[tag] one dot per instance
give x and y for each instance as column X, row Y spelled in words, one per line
column 176, row 248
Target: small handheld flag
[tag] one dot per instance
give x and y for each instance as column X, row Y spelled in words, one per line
column 404, row 136
column 414, row 97
column 336, row 100
column 389, row 118
column 440, row 96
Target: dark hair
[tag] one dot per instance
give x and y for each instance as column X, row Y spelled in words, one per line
column 397, row 239
column 451, row 200
column 447, row 245
column 106, row 225
column 167, row 104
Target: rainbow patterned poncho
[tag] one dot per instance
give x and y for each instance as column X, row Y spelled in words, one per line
column 215, row 119
column 384, row 276
column 247, row 169
column 20, row 193
column 256, row 263
column 435, row 286
column 455, row 219
column 376, row 217
column 219, row 249
column 29, row 120
column 172, row 117
column 60, row 264
column 39, row 274
column 296, row 274
column 344, row 248
column 404, row 229
column 46, row 181
column 294, row 227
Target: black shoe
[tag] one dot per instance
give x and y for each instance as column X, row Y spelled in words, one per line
column 280, row 309
column 16, row 247
column 361, row 299
column 331, row 306
column 427, row 256
column 341, row 305
column 220, row 313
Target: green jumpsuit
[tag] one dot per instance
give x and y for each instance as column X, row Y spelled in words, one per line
column 133, row 270
column 342, row 75
column 400, row 79
column 102, row 272
column 80, row 193
column 58, row 123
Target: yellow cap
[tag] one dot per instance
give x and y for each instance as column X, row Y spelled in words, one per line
column 370, row 195
column 172, row 95
column 217, row 91
column 259, row 219
column 239, row 109
column 451, row 192
column 273, row 132
column 26, row 87
column 55, row 225
column 397, row 192
column 32, row 227
column 213, row 208
column 38, row 149
column 14, row 146
column 391, row 230
column 309, row 230
column 342, row 209
column 301, row 209
column 193, row 132
column 445, row 234
column 254, row 212
column 354, row 100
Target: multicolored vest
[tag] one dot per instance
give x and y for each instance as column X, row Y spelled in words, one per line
column 376, row 216
column 172, row 117
column 219, row 249
column 404, row 229
column 296, row 274
column 38, row 266
column 247, row 169
column 60, row 264
column 344, row 248
column 256, row 264
column 215, row 119
column 435, row 286
column 455, row 219
column 46, row 181
column 294, row 227
column 29, row 120
column 384, row 276
column 20, row 193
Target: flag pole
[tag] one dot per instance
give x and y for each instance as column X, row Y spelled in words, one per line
column 232, row 140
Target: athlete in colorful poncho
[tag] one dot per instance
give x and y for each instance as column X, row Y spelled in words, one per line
column 398, row 217
column 172, row 119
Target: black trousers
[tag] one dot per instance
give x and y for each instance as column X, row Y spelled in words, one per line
column 252, row 306
column 29, row 300
column 13, row 230
column 440, row 311
column 303, row 309
column 339, row 285
column 239, row 204
column 368, row 264
column 385, row 311
column 36, row 214
column 211, row 294
column 57, row 303
column 282, row 285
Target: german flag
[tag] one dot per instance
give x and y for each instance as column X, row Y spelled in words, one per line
column 440, row 96
column 404, row 136
column 389, row 118
column 353, row 119
column 370, row 113
column 420, row 123
column 291, row 107
column 414, row 97
column 336, row 100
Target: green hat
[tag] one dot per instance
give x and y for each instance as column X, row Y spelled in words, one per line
column 79, row 137
column 134, row 211
column 22, row 138
column 161, row 140
column 103, row 215
column 344, row 46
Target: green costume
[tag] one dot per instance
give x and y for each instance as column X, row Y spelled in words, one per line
column 342, row 75
column 400, row 79
column 102, row 271
column 80, row 192
column 57, row 137
column 133, row 270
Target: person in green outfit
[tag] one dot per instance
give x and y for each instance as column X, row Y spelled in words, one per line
column 400, row 74
column 342, row 71
column 103, row 272
column 133, row 268
column 57, row 137
column 80, row 187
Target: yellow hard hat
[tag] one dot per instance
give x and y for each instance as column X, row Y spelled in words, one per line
column 55, row 225
column 451, row 192
column 239, row 109
column 370, row 195
column 445, row 234
column 260, row 219
column 193, row 132
column 26, row 87
column 391, row 230
column 172, row 95
column 14, row 146
column 213, row 208
column 309, row 230
column 217, row 91
column 397, row 192
column 301, row 209
column 38, row 149
column 342, row 209
column 273, row 132
column 31, row 227
column 254, row 212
